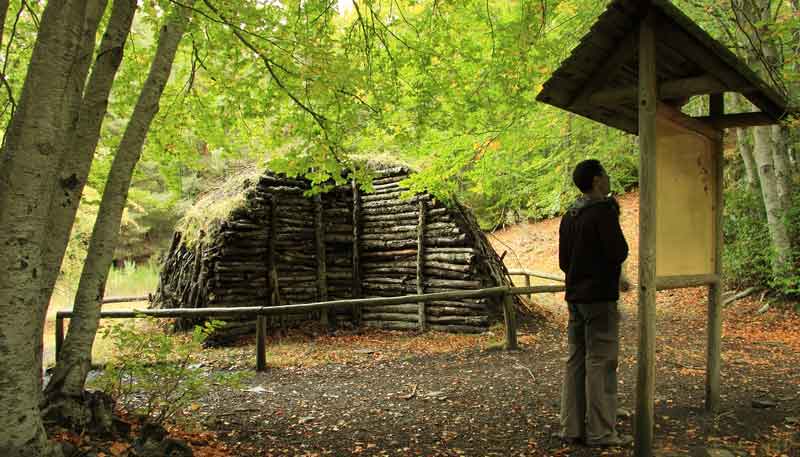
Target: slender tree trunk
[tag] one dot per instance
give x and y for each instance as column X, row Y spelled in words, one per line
column 54, row 249
column 34, row 145
column 778, row 230
column 3, row 12
column 83, row 326
column 73, row 175
column 783, row 169
column 746, row 153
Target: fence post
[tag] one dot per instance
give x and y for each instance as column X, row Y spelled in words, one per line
column 261, row 343
column 59, row 334
column 421, row 311
column 510, row 317
column 528, row 284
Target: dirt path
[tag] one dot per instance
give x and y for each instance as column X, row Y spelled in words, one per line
column 477, row 401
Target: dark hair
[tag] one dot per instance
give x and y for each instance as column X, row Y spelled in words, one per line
column 584, row 174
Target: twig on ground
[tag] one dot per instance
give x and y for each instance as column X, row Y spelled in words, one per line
column 411, row 395
column 237, row 411
column 738, row 296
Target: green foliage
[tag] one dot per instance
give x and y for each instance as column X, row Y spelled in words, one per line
column 748, row 251
column 155, row 374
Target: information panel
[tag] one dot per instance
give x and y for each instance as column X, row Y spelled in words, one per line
column 685, row 201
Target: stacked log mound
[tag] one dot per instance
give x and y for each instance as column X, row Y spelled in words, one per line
column 282, row 247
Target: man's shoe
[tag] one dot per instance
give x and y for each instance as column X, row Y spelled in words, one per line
column 613, row 441
column 570, row 440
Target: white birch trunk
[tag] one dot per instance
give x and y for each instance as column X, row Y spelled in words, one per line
column 778, row 231
column 75, row 170
column 783, row 169
column 83, row 326
column 746, row 153
column 54, row 249
column 34, row 145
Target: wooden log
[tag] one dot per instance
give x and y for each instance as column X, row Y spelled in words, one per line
column 291, row 268
column 420, row 263
column 356, row 251
column 456, row 328
column 261, row 344
column 645, row 380
column 234, row 252
column 338, row 213
column 293, row 220
column 388, row 180
column 406, row 309
column 390, row 325
column 338, row 238
column 431, row 272
column 273, row 180
column 322, row 286
column 464, row 303
column 460, row 320
column 368, row 315
column 453, row 311
column 272, row 257
column 394, row 217
column 433, row 282
column 285, row 279
column 378, row 210
column 390, row 200
column 379, row 187
column 510, row 318
column 399, row 244
column 239, row 267
column 393, row 194
column 443, row 261
column 714, row 325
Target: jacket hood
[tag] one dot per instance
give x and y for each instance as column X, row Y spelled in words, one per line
column 582, row 203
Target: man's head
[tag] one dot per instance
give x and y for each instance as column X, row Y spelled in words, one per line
column 591, row 178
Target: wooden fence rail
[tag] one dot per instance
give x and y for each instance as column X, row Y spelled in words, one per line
column 536, row 274
column 261, row 312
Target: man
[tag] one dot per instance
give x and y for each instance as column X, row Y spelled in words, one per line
column 591, row 251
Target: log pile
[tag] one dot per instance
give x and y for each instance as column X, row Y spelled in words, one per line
column 282, row 247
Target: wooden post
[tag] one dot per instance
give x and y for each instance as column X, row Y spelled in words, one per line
column 59, row 335
column 714, row 332
column 356, row 251
column 275, row 292
column 420, row 262
column 261, row 343
column 322, row 275
column 645, row 379
column 528, row 284
column 510, row 318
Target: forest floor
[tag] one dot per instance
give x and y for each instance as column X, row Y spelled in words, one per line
column 381, row 393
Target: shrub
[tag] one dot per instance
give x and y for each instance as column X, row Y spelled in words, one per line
column 156, row 374
column 748, row 251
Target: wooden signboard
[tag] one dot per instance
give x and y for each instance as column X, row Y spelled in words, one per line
column 685, row 186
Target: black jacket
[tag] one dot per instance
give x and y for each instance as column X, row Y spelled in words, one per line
column 591, row 249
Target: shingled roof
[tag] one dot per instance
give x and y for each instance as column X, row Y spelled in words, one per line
column 599, row 80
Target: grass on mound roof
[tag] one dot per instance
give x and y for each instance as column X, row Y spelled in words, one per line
column 217, row 203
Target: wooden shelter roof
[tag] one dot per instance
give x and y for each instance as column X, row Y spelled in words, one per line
column 600, row 78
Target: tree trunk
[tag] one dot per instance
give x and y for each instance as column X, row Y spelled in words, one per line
column 74, row 167
column 746, row 153
column 55, row 248
column 778, row 230
column 70, row 377
column 34, row 145
column 783, row 169
column 3, row 12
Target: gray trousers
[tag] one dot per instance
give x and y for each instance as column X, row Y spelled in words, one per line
column 589, row 392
